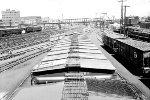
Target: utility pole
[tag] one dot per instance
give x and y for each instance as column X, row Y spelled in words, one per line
column 62, row 16
column 10, row 23
column 125, row 18
column 103, row 22
column 96, row 15
column 113, row 18
column 121, row 20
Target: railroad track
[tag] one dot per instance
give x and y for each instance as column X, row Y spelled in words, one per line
column 20, row 53
column 11, row 64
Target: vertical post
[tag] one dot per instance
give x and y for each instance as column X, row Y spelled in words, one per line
column 10, row 23
column 62, row 16
column 121, row 20
column 103, row 21
column 125, row 19
column 96, row 15
column 44, row 25
column 122, row 13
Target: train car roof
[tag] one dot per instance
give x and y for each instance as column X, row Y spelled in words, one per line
column 44, row 92
column 90, row 56
column 143, row 46
column 54, row 91
column 142, row 30
column 113, row 35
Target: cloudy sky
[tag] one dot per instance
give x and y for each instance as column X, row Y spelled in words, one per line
column 75, row 8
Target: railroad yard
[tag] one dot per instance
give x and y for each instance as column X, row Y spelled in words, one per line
column 75, row 50
column 81, row 61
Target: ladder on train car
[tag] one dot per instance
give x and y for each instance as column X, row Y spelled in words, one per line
column 75, row 87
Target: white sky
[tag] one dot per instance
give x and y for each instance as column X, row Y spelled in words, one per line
column 75, row 8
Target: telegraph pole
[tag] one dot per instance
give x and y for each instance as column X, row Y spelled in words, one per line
column 62, row 16
column 96, row 15
column 103, row 21
column 10, row 23
column 121, row 20
column 125, row 18
column 125, row 13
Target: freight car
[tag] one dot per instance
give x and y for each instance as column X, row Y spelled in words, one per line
column 138, row 33
column 135, row 51
column 109, row 40
column 135, row 32
column 145, row 25
column 7, row 32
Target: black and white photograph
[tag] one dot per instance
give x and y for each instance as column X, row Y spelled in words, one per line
column 74, row 49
